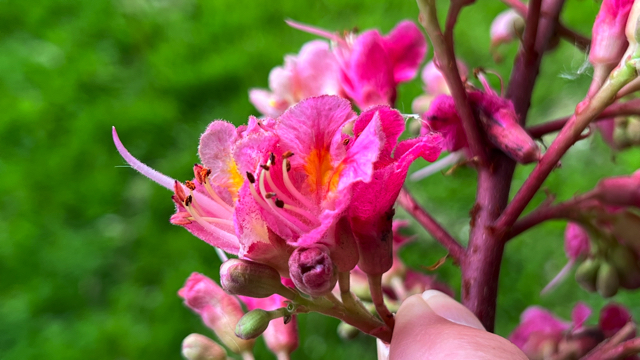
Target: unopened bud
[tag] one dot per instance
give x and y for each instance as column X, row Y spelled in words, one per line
column 254, row 323
column 626, row 264
column 345, row 252
column 200, row 347
column 219, row 310
column 248, row 278
column 587, row 272
column 347, row 332
column 506, row 27
column 576, row 241
column 632, row 28
column 612, row 318
column 579, row 343
column 375, row 242
column 312, row 270
column 434, row 82
column 626, row 227
column 500, row 122
column 619, row 191
column 607, row 281
column 609, row 43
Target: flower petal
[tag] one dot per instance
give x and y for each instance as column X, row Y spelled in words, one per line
column 406, row 47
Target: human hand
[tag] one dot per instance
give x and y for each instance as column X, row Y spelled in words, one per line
column 434, row 326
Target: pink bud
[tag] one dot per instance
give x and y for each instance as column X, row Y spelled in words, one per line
column 345, row 252
column 506, row 27
column 219, row 310
column 200, row 347
column 375, row 242
column 619, row 191
column 576, row 241
column 612, row 318
column 312, row 270
column 434, row 81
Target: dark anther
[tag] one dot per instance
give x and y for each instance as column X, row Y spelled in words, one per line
column 279, row 203
column 251, row 178
column 190, row 185
column 265, row 167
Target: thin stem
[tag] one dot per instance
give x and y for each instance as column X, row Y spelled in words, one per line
column 446, row 59
column 452, row 18
column 586, row 111
column 616, row 347
column 247, row 356
column 456, row 251
column 565, row 210
column 580, row 41
column 631, row 107
column 375, row 286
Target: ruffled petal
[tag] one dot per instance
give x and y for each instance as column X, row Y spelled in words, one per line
column 406, row 47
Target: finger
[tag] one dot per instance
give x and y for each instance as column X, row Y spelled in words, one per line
column 434, row 326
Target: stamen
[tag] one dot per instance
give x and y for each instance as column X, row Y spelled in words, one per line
column 190, row 185
column 273, row 187
column 288, row 219
column 269, row 195
column 287, row 154
column 293, row 190
column 265, row 167
column 306, row 214
column 215, row 197
column 279, row 203
column 212, row 229
column 215, row 220
column 251, row 178
column 272, row 159
column 346, row 141
column 188, row 201
column 288, row 165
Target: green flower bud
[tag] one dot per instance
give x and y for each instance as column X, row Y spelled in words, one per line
column 626, row 264
column 248, row 278
column 586, row 274
column 253, row 324
column 607, row 281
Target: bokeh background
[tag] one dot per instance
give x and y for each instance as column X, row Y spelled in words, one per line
column 89, row 264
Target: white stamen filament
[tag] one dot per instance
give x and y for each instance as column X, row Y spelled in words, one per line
column 289, row 220
column 210, row 228
column 214, row 220
column 215, row 196
column 273, row 186
column 306, row 214
column 292, row 190
column 438, row 166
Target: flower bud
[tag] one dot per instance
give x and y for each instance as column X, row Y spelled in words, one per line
column 612, row 318
column 609, row 43
column 345, row 252
column 579, row 343
column 248, row 278
column 619, row 191
column 253, row 324
column 500, row 123
column 626, row 264
column 435, row 83
column 312, row 270
column 506, row 27
column 625, row 228
column 632, row 28
column 219, row 310
column 200, row 347
column 607, row 281
column 587, row 272
column 576, row 241
column 282, row 338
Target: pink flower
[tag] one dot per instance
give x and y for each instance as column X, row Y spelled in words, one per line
column 576, row 241
column 434, row 84
column 372, row 65
column 506, row 27
column 307, row 166
column 314, row 71
column 539, row 332
column 371, row 211
column 612, row 318
column 620, row 190
column 208, row 206
column 609, row 41
column 219, row 310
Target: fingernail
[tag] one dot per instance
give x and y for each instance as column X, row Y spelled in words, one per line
column 450, row 309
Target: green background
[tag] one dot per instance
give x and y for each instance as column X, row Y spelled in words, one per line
column 89, row 264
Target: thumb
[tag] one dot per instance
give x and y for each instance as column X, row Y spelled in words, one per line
column 434, row 326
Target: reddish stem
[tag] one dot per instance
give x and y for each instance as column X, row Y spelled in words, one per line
column 580, row 41
column 631, row 107
column 456, row 251
column 481, row 268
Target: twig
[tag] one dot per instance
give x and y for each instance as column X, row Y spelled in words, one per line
column 631, row 107
column 375, row 287
column 456, row 251
column 446, row 58
column 580, row 41
column 586, row 111
column 452, row 17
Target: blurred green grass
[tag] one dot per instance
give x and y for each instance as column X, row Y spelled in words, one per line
column 89, row 263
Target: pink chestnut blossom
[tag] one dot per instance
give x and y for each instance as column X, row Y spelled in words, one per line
column 434, row 84
column 208, row 206
column 371, row 211
column 609, row 41
column 506, row 27
column 372, row 65
column 219, row 310
column 314, row 71
column 540, row 332
column 307, row 167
